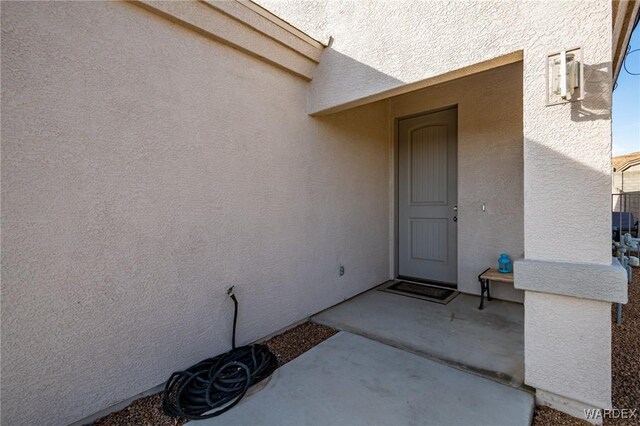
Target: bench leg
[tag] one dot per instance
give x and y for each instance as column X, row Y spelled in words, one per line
column 619, row 314
column 482, row 289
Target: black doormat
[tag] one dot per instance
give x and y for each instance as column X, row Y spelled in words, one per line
column 420, row 291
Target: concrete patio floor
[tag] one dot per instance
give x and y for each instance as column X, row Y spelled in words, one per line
column 488, row 342
column 351, row 380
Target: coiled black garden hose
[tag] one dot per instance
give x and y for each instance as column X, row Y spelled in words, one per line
column 217, row 383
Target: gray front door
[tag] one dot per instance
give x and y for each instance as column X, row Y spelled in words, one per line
column 428, row 197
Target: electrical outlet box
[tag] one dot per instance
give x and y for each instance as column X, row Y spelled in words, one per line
column 341, row 270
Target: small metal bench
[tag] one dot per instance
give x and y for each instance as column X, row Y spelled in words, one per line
column 492, row 274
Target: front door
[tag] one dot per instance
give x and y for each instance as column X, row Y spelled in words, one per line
column 428, row 197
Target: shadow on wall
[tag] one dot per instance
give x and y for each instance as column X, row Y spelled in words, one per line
column 567, row 196
column 596, row 104
column 333, row 67
column 567, row 204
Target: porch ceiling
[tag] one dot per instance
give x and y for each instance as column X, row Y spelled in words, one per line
column 432, row 81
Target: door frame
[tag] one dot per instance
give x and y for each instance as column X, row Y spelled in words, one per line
column 396, row 189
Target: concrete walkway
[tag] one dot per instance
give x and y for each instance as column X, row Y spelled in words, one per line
column 489, row 342
column 352, row 380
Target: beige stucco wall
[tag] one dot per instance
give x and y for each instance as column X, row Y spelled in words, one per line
column 554, row 327
column 490, row 167
column 378, row 47
column 144, row 170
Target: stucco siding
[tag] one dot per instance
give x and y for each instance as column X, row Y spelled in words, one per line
column 490, row 167
column 568, row 344
column 380, row 45
column 145, row 169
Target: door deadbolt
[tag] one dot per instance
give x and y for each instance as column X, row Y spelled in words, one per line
column 455, row 208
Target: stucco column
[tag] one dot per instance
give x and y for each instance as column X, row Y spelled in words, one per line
column 568, row 274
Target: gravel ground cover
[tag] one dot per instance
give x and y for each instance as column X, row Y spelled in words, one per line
column 286, row 346
column 294, row 342
column 625, row 366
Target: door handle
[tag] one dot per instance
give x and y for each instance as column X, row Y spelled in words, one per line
column 455, row 218
column 455, row 208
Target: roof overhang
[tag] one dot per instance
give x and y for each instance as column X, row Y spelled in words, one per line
column 401, row 89
column 625, row 15
column 247, row 27
column 628, row 165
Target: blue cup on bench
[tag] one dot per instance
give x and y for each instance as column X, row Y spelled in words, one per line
column 504, row 263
